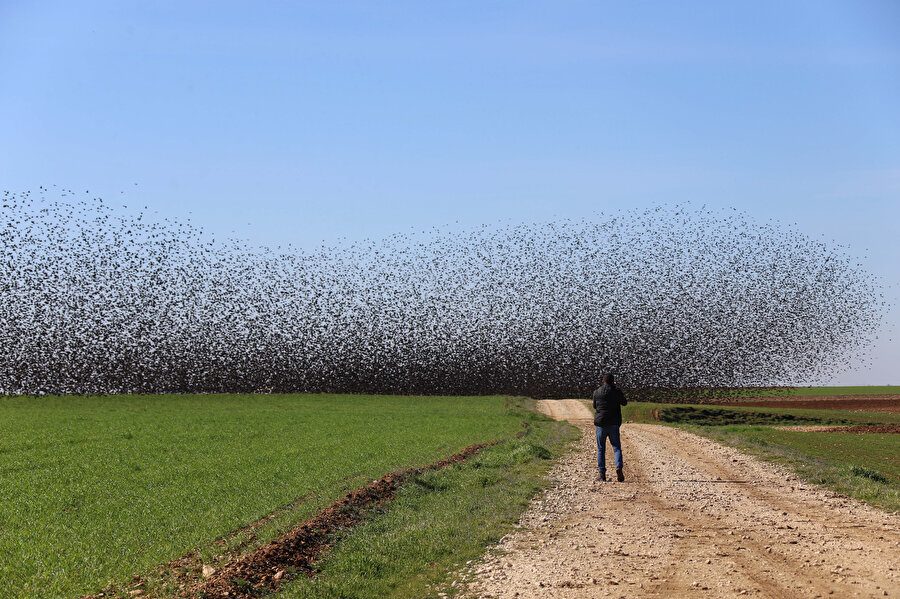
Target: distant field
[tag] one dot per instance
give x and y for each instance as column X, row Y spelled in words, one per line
column 870, row 399
column 95, row 489
column 867, row 390
column 865, row 466
column 819, row 391
column 723, row 395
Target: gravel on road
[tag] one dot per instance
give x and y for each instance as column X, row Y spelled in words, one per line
column 692, row 519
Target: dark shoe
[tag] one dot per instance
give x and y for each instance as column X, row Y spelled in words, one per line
column 620, row 476
column 602, row 475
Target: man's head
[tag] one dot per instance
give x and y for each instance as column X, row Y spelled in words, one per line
column 609, row 379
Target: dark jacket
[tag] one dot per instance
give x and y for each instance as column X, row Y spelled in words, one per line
column 608, row 402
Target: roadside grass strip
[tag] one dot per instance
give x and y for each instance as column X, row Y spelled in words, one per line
column 717, row 417
column 439, row 520
column 95, row 491
column 865, row 466
column 298, row 550
column 869, row 473
column 707, row 415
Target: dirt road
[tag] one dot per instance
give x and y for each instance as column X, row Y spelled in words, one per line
column 693, row 519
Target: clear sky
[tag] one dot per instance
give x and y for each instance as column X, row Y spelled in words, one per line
column 294, row 122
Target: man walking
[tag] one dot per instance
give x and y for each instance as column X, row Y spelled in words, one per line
column 608, row 402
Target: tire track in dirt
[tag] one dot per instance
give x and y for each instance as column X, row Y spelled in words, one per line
column 267, row 567
column 694, row 518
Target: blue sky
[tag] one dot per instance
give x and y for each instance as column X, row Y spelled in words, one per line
column 291, row 122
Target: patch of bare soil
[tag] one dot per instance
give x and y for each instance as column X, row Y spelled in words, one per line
column 296, row 551
column 693, row 519
column 889, row 403
column 862, row 429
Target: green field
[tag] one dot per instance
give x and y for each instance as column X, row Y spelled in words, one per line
column 439, row 522
column 865, row 390
column 95, row 490
column 864, row 466
column 817, row 391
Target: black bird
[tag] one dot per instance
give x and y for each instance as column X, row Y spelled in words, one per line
column 682, row 302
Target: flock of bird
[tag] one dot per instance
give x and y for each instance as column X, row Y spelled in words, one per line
column 96, row 299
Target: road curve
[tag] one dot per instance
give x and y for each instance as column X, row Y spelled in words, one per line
column 573, row 410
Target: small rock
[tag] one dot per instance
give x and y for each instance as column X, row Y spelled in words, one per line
column 207, row 571
column 278, row 575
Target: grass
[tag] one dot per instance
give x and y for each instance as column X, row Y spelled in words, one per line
column 869, row 473
column 866, row 467
column 715, row 415
column 865, row 390
column 687, row 394
column 859, row 453
column 94, row 490
column 719, row 417
column 815, row 391
column 428, row 531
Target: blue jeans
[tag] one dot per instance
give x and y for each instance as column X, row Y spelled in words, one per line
column 610, row 431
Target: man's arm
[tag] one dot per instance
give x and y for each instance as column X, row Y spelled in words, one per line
column 622, row 400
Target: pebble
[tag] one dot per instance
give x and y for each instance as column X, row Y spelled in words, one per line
column 650, row 528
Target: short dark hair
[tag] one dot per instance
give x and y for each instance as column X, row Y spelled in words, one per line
column 609, row 379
